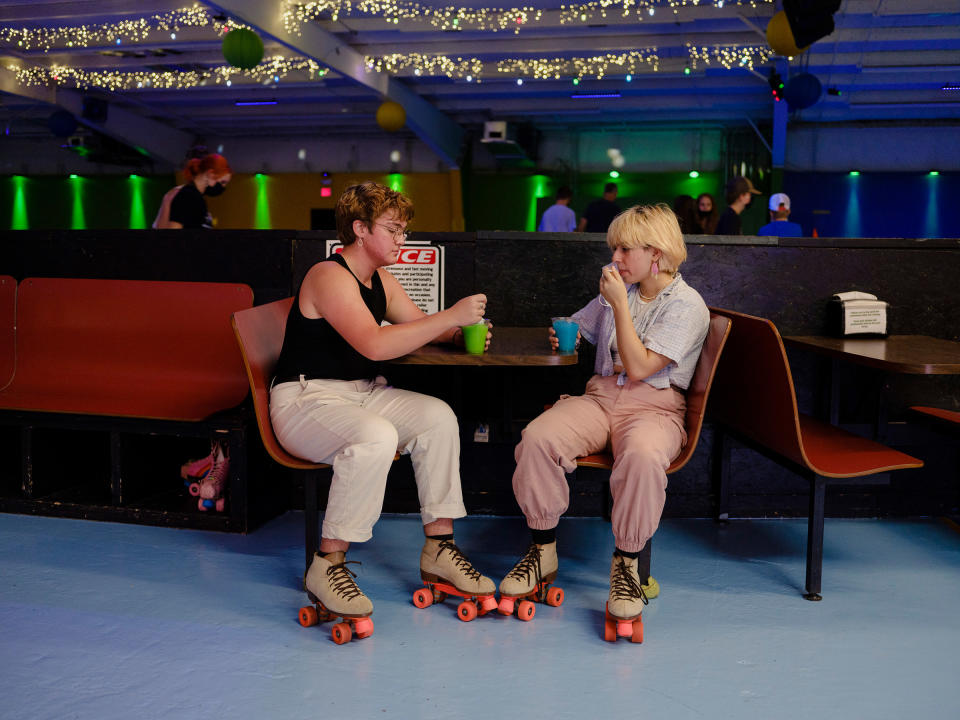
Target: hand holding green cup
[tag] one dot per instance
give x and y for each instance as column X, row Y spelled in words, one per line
column 475, row 337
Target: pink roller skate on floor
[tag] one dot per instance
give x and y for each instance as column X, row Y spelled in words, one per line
column 209, row 487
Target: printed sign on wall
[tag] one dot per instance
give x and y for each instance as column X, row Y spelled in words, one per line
column 419, row 269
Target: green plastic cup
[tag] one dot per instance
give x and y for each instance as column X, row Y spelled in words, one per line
column 474, row 337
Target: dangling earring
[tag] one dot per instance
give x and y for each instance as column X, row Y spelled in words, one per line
column 359, row 242
column 654, row 269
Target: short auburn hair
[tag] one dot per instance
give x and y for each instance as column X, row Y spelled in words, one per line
column 366, row 202
column 198, row 166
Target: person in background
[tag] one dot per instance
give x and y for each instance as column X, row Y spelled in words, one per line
column 648, row 327
column 163, row 213
column 779, row 225
column 707, row 214
column 329, row 402
column 206, row 176
column 559, row 217
column 601, row 212
column 684, row 208
column 740, row 192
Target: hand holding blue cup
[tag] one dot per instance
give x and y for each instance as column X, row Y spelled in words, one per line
column 566, row 329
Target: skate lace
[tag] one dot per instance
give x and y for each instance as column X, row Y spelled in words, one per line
column 342, row 580
column 623, row 585
column 530, row 564
column 459, row 559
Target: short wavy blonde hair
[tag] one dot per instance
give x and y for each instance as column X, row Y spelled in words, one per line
column 650, row 226
column 368, row 201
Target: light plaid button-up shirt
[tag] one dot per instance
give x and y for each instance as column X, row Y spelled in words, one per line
column 674, row 324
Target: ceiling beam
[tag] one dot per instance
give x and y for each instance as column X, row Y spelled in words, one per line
column 434, row 128
column 158, row 140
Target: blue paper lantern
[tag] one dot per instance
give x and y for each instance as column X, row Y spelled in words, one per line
column 62, row 123
column 802, row 91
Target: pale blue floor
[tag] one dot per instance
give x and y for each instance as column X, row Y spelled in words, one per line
column 103, row 621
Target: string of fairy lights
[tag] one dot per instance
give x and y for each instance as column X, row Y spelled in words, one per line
column 495, row 19
column 276, row 68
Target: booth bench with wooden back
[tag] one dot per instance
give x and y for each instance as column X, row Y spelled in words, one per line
column 753, row 399
column 122, row 356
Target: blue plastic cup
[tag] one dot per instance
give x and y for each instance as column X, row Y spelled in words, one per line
column 566, row 329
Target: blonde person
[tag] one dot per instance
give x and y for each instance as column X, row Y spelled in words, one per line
column 648, row 326
column 330, row 403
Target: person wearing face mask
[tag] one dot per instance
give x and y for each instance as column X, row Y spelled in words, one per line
column 707, row 214
column 207, row 176
column 740, row 192
column 648, row 327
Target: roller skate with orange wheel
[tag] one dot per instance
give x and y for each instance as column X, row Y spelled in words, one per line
column 445, row 571
column 623, row 613
column 530, row 582
column 331, row 587
column 209, row 489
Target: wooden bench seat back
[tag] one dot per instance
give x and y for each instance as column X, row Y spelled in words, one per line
column 753, row 389
column 148, row 349
column 950, row 417
column 754, row 395
column 259, row 332
column 697, row 395
column 8, row 321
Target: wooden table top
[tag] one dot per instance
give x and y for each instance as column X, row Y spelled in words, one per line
column 915, row 354
column 509, row 346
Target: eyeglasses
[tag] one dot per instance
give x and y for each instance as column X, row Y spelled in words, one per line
column 398, row 233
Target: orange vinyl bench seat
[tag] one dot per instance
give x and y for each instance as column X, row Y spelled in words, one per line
column 128, row 348
column 8, row 321
column 118, row 357
column 754, row 400
column 951, row 417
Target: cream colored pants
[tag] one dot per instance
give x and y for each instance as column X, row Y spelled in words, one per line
column 357, row 426
column 643, row 426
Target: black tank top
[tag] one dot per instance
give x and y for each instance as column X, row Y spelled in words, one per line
column 312, row 348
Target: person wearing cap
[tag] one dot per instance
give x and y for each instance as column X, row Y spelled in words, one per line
column 740, row 192
column 779, row 212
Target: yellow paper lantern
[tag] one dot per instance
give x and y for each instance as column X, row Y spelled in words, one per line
column 391, row 116
column 780, row 36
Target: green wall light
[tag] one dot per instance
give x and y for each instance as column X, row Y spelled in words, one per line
column 261, row 220
column 694, row 174
column 614, row 174
column 395, row 182
column 138, row 219
column 854, row 173
column 19, row 219
column 78, row 220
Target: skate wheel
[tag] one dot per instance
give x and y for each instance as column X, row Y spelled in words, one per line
column 221, row 504
column 341, row 633
column 625, row 629
column 194, row 489
column 637, row 636
column 202, row 505
column 609, row 630
column 309, row 616
column 466, row 611
column 555, row 597
column 363, row 627
column 423, row 598
column 488, row 604
column 526, row 610
column 506, row 606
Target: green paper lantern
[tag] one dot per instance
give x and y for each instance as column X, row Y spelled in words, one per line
column 242, row 48
column 391, row 116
